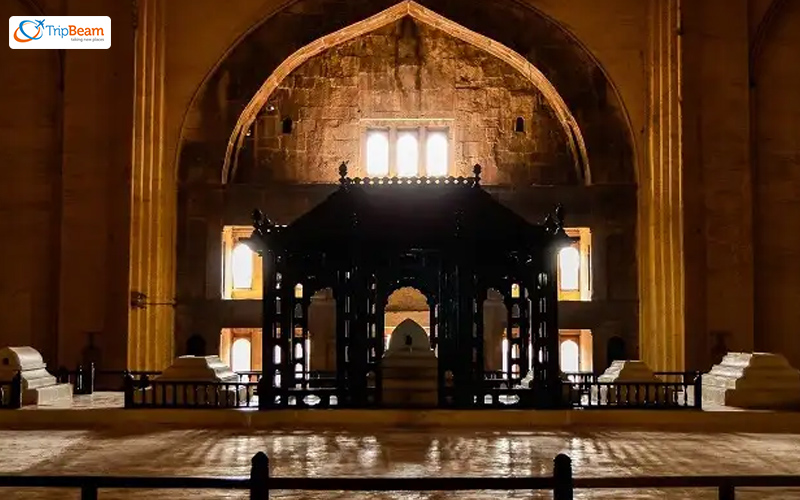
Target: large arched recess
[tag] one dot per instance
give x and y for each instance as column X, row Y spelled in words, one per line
column 561, row 59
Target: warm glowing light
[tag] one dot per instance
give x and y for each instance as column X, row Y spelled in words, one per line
column 298, row 291
column 242, row 266
column 240, row 355
column 437, row 154
column 407, row 154
column 378, row 153
column 569, row 268
column 515, row 291
column 570, row 356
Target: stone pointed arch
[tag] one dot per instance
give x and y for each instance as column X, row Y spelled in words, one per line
column 409, row 8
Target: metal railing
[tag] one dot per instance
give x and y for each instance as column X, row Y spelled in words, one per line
column 259, row 483
column 318, row 390
column 143, row 393
column 11, row 393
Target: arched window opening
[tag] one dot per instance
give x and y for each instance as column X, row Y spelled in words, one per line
column 241, row 355
column 242, row 264
column 570, row 356
column 436, row 152
column 298, row 291
column 519, row 125
column 298, row 351
column 515, row 292
column 378, row 153
column 569, row 268
column 407, row 154
column 276, row 355
column 286, row 126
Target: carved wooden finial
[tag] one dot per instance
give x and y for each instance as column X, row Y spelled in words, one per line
column 258, row 217
column 477, row 171
column 343, row 172
column 560, row 215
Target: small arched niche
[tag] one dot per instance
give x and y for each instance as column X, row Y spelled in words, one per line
column 406, row 303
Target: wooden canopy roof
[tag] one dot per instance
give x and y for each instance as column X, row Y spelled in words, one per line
column 411, row 214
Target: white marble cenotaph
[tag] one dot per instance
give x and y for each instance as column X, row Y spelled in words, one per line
column 38, row 386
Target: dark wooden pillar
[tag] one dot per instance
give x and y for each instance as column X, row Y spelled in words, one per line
column 375, row 338
column 285, row 293
column 446, row 327
column 269, row 331
column 544, row 326
column 359, row 332
column 478, row 363
column 343, row 325
column 301, row 300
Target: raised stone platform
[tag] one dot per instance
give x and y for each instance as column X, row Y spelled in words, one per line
column 38, row 386
column 625, row 375
column 753, row 380
column 194, row 380
column 104, row 410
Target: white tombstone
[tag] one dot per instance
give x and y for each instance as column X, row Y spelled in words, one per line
column 757, row 380
column 631, row 376
column 194, row 380
column 38, row 386
column 410, row 368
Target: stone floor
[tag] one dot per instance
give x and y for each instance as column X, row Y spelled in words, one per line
column 395, row 453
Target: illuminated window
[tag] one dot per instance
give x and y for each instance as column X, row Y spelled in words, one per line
column 298, row 291
column 240, row 355
column 515, row 291
column 570, row 356
column 437, row 154
column 406, row 149
column 407, row 154
column 569, row 268
column 242, row 264
column 378, row 153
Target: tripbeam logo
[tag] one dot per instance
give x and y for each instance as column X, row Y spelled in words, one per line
column 64, row 32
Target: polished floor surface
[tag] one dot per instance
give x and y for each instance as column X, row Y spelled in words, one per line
column 395, row 453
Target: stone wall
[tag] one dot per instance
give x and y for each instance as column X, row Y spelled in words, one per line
column 776, row 176
column 30, row 194
column 318, row 116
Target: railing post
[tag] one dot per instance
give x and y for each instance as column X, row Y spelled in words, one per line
column 698, row 392
column 79, row 387
column 88, row 379
column 562, row 477
column 727, row 491
column 259, row 477
column 15, row 399
column 264, row 392
column 127, row 387
column 89, row 491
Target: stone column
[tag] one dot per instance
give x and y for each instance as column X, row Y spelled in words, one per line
column 661, row 266
column 153, row 203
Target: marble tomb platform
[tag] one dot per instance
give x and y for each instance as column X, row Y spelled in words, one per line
column 39, row 387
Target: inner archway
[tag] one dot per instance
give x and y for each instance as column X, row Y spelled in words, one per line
column 406, row 303
column 410, row 9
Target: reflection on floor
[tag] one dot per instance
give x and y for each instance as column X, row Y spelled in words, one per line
column 396, row 453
